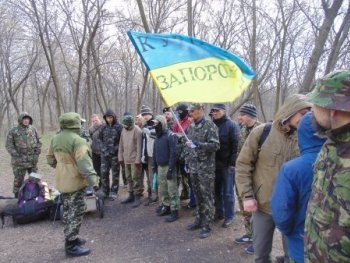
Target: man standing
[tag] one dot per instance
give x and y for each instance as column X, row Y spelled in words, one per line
column 70, row 154
column 247, row 118
column 24, row 146
column 129, row 155
column 257, row 168
column 293, row 188
column 204, row 142
column 94, row 132
column 327, row 236
column 225, row 160
column 164, row 160
column 109, row 137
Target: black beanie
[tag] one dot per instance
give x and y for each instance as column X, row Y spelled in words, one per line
column 248, row 109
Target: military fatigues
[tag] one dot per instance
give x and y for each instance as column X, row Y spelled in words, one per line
column 201, row 162
column 109, row 137
column 24, row 146
column 245, row 131
column 327, row 224
column 70, row 155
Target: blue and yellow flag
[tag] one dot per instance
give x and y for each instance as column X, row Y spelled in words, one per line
column 186, row 69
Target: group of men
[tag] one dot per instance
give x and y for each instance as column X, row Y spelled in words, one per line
column 271, row 164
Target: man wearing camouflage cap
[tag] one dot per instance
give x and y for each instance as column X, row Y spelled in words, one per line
column 327, row 225
column 201, row 162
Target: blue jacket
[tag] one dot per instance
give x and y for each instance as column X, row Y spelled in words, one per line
column 293, row 188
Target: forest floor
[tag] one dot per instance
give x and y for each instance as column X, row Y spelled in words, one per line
column 125, row 234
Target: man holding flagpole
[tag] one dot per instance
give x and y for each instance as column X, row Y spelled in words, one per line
column 201, row 147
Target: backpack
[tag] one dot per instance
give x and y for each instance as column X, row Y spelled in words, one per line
column 31, row 205
column 264, row 134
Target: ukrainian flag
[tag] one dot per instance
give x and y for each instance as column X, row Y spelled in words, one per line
column 186, row 69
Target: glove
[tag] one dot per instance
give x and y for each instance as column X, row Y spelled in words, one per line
column 191, row 145
column 169, row 175
column 121, row 162
column 96, row 188
column 138, row 165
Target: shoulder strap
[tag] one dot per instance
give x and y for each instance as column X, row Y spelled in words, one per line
column 264, row 134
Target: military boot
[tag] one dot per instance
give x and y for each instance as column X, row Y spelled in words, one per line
column 164, row 211
column 137, row 202
column 130, row 198
column 74, row 250
column 173, row 216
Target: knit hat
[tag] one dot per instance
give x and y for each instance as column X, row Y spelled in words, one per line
column 219, row 106
column 146, row 110
column 248, row 109
column 128, row 120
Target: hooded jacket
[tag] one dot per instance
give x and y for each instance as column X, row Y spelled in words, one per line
column 71, row 156
column 23, row 143
column 130, row 145
column 256, row 170
column 164, row 150
column 293, row 188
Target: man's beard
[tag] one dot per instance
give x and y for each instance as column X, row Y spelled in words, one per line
column 317, row 125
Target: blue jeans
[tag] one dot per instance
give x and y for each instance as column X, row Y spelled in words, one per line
column 224, row 195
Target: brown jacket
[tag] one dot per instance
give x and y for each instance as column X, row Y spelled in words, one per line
column 130, row 145
column 256, row 171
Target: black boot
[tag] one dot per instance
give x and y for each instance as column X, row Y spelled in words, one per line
column 130, row 199
column 195, row 225
column 73, row 249
column 164, row 211
column 173, row 216
column 81, row 241
column 137, row 202
column 158, row 209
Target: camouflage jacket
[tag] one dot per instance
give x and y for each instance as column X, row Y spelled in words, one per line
column 109, row 137
column 24, row 146
column 327, row 225
column 245, row 131
column 201, row 159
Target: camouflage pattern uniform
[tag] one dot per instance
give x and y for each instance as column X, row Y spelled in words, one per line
column 245, row 131
column 327, row 225
column 201, row 162
column 109, row 137
column 24, row 146
column 70, row 155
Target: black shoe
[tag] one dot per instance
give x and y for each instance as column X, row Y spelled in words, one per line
column 130, row 199
column 137, row 202
column 227, row 223
column 77, row 251
column 173, row 216
column 194, row 226
column 218, row 217
column 205, row 232
column 164, row 211
column 81, row 241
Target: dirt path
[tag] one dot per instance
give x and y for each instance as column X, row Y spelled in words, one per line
column 123, row 235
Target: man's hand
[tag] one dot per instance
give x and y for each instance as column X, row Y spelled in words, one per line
column 121, row 162
column 138, row 165
column 250, row 205
column 169, row 174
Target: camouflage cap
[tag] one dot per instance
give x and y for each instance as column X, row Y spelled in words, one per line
column 332, row 91
column 196, row 106
column 128, row 120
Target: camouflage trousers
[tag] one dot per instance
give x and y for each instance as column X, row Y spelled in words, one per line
column 133, row 177
column 203, row 186
column 109, row 162
column 73, row 212
column 168, row 189
column 19, row 174
column 247, row 217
